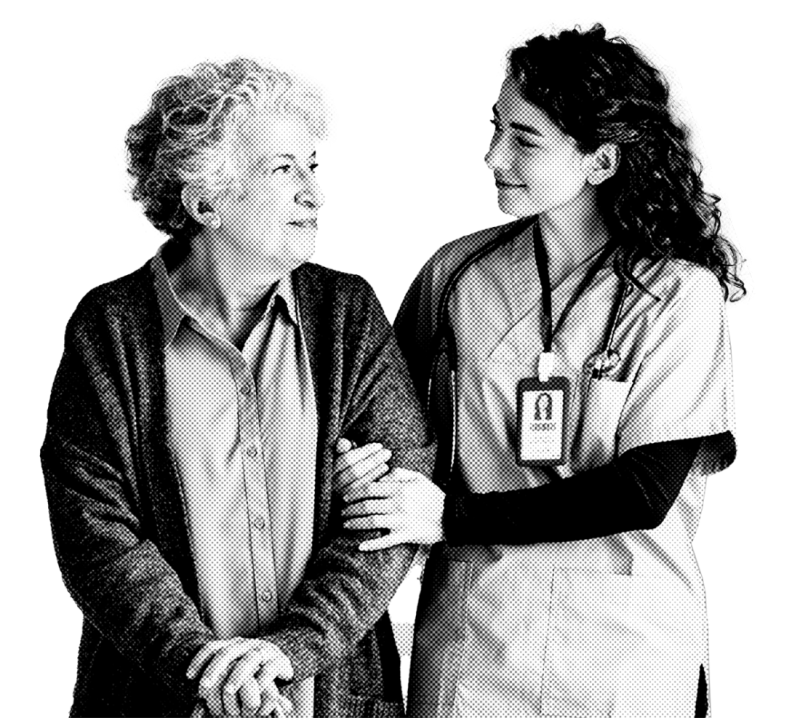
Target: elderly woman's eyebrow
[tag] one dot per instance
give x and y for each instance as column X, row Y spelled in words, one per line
column 518, row 125
column 265, row 159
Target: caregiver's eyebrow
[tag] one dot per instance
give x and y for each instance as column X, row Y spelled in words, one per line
column 518, row 125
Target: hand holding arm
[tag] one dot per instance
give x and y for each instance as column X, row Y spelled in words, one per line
column 406, row 503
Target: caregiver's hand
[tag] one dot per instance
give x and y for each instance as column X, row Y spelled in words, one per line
column 407, row 503
column 357, row 467
column 238, row 677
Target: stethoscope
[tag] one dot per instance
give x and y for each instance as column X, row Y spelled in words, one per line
column 599, row 365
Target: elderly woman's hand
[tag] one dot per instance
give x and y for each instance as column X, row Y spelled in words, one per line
column 238, row 677
column 355, row 468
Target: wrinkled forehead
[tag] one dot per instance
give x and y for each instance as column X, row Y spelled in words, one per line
column 271, row 132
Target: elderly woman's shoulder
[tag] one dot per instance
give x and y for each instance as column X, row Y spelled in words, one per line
column 327, row 280
column 130, row 295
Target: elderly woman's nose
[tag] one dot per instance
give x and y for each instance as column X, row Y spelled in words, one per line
column 310, row 195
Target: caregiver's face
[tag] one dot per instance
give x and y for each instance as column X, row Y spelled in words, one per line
column 536, row 166
column 270, row 219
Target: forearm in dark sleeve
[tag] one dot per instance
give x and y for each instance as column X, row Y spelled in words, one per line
column 634, row 491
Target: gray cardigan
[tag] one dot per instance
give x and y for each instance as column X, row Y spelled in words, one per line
column 119, row 523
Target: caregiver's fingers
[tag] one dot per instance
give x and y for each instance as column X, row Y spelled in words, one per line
column 368, row 508
column 361, row 472
column 374, row 521
column 384, row 489
column 353, row 457
column 393, row 538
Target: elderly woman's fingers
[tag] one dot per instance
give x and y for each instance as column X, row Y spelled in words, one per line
column 272, row 702
column 244, row 669
column 250, row 697
column 202, row 657
column 223, row 659
column 199, row 710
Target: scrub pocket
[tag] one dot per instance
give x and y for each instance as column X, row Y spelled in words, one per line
column 619, row 646
column 438, row 636
column 595, row 441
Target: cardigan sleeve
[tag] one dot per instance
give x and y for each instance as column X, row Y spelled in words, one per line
column 345, row 591
column 108, row 558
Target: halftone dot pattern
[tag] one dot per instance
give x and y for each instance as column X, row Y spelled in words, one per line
column 598, row 607
column 577, row 626
column 120, row 504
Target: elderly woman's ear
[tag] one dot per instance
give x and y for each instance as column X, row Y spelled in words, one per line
column 199, row 208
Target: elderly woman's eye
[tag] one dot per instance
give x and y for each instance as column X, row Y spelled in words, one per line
column 282, row 168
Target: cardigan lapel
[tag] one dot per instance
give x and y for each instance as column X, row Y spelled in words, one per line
column 316, row 333
column 162, row 486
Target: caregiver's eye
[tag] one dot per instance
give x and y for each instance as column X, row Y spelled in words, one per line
column 282, row 169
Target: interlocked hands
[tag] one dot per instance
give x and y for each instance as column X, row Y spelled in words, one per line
column 237, row 678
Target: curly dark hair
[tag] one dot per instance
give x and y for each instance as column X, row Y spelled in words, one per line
column 600, row 90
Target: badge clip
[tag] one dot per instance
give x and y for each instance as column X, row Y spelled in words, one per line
column 546, row 364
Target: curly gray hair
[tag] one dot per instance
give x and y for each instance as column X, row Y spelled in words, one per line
column 187, row 135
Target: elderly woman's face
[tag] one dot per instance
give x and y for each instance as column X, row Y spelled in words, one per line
column 271, row 217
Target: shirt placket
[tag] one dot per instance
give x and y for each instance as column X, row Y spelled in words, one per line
column 257, row 501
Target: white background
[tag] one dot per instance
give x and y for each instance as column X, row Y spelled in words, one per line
column 409, row 86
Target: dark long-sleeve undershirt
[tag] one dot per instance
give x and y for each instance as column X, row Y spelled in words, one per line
column 633, row 491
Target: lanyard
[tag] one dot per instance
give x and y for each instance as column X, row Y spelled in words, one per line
column 546, row 358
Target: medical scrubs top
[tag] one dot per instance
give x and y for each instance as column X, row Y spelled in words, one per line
column 611, row 626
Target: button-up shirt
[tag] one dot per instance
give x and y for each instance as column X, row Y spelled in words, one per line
column 243, row 430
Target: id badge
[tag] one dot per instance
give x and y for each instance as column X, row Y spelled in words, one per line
column 541, row 421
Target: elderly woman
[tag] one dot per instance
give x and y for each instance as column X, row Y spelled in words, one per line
column 188, row 455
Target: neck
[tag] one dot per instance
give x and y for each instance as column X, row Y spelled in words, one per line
column 573, row 232
column 223, row 289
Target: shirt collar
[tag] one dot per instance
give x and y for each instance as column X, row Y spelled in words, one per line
column 173, row 312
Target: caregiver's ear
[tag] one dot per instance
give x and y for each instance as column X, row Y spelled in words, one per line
column 602, row 163
column 196, row 203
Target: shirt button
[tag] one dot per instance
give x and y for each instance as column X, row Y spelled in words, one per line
column 245, row 389
column 266, row 596
column 252, row 451
column 259, row 522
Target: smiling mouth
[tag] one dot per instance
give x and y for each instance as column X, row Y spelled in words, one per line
column 507, row 185
column 305, row 223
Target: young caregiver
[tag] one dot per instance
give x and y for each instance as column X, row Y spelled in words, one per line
column 577, row 367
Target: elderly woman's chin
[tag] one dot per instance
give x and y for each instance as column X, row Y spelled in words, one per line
column 303, row 241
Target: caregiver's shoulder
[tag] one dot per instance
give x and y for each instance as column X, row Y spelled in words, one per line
column 450, row 255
